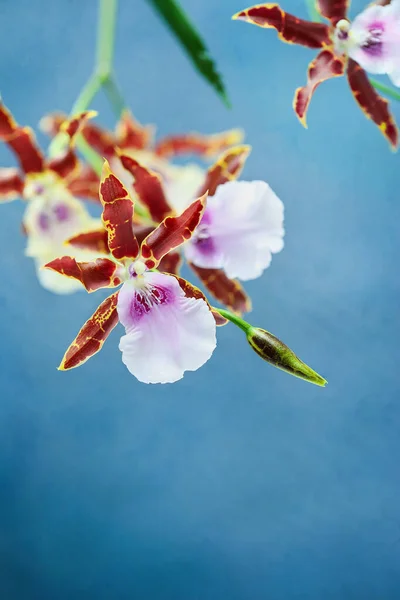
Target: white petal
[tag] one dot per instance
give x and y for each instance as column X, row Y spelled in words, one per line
column 182, row 185
column 53, row 217
column 379, row 59
column 395, row 77
column 164, row 340
column 245, row 228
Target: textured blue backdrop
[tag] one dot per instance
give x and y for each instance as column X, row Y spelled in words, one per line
column 238, row 482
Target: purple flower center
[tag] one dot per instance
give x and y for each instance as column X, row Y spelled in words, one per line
column 202, row 239
column 373, row 44
column 43, row 221
column 342, row 35
column 146, row 299
column 62, row 212
column 38, row 189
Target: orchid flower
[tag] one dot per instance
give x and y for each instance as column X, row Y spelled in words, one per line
column 337, row 55
column 169, row 325
column 52, row 214
column 241, row 227
column 374, row 40
column 136, row 141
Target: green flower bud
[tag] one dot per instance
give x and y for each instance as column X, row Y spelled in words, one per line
column 279, row 355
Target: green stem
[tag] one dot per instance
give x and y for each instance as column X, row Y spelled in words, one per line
column 313, row 12
column 385, row 89
column 105, row 37
column 87, row 94
column 241, row 323
column 101, row 77
column 114, row 96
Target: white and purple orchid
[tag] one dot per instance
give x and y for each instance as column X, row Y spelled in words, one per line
column 169, row 325
column 241, row 228
column 51, row 217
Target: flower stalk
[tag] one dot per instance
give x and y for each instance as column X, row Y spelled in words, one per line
column 101, row 78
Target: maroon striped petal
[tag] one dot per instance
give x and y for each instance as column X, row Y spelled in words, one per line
column 371, row 103
column 333, row 10
column 100, row 273
column 117, row 216
column 228, row 292
column 290, row 29
column 85, row 183
column 325, row 66
column 77, row 123
column 11, row 184
column 130, row 134
column 171, row 263
column 93, row 334
column 149, row 188
column 21, row 140
column 95, row 241
column 227, row 168
column 206, row 146
column 171, row 233
column 64, row 165
column 103, row 142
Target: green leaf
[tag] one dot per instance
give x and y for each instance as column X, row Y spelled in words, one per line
column 189, row 37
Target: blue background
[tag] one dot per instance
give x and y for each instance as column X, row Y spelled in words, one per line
column 239, row 481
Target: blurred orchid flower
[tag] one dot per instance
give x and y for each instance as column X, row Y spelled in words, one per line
column 53, row 214
column 170, row 327
column 241, row 227
column 337, row 54
column 137, row 141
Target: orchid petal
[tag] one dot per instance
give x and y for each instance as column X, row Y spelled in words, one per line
column 290, row 29
column 77, row 123
column 103, row 142
column 191, row 291
column 171, row 233
column 241, row 228
column 333, row 10
column 22, row 142
column 171, row 263
column 130, row 134
column 85, row 183
column 11, row 184
column 325, row 66
column 65, row 165
column 375, row 39
column 205, row 146
column 373, row 106
column 94, row 241
column 149, row 188
column 227, row 168
column 117, row 216
column 93, row 334
column 228, row 292
column 52, row 216
column 50, row 124
column 101, row 273
column 55, row 282
column 167, row 333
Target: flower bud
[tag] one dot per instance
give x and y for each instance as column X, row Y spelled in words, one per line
column 279, row 355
